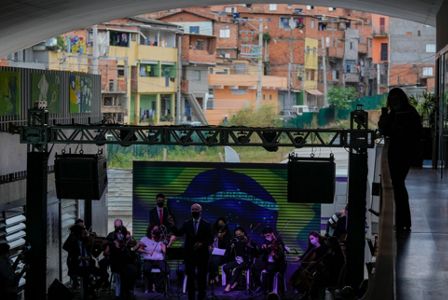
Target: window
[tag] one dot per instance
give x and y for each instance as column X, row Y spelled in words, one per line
column 272, row 7
column 120, row 71
column 430, row 48
column 335, row 74
column 194, row 29
column 331, row 8
column 230, row 9
column 222, row 72
column 120, row 39
column 384, row 55
column 312, row 24
column 149, row 70
column 288, row 22
column 427, row 71
column 309, row 7
column 240, row 68
column 238, row 91
column 351, row 45
column 108, row 101
column 382, row 25
column 196, row 75
column 419, row 33
column 224, row 33
column 169, row 70
column 200, row 45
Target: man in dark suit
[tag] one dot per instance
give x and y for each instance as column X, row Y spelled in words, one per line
column 161, row 215
column 198, row 238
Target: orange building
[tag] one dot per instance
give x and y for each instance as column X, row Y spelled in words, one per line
column 235, row 92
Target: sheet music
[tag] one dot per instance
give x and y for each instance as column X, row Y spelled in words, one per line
column 218, row 251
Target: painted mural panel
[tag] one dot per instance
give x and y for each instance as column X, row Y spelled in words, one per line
column 47, row 87
column 9, row 93
column 81, row 93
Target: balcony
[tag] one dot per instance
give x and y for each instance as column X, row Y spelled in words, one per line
column 154, row 53
column 114, row 86
column 362, row 48
column 154, row 85
column 351, row 77
column 335, row 52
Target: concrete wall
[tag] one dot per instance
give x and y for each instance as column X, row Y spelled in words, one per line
column 408, row 42
column 197, row 77
column 351, row 44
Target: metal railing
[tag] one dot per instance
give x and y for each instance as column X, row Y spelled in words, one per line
column 382, row 281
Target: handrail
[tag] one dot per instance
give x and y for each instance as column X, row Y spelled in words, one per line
column 382, row 282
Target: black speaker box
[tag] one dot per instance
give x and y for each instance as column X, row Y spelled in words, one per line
column 311, row 180
column 58, row 291
column 80, row 176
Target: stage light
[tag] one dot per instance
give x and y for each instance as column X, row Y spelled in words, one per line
column 152, row 137
column 211, row 138
column 299, row 140
column 185, row 139
column 129, row 134
column 100, row 139
column 270, row 137
column 243, row 138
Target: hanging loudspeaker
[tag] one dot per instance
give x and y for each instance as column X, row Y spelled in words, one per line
column 80, row 176
column 311, row 180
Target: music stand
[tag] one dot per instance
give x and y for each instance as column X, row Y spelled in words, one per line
column 177, row 254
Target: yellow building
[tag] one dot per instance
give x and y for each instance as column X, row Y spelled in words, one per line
column 147, row 52
column 311, row 70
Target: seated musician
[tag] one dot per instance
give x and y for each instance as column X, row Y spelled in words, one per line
column 272, row 259
column 311, row 277
column 153, row 252
column 221, row 241
column 239, row 255
column 123, row 259
column 80, row 261
column 162, row 217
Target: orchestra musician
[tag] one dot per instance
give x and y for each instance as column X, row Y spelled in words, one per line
column 162, row 217
column 121, row 249
column 153, row 251
column 271, row 260
column 311, row 277
column 221, row 241
column 239, row 256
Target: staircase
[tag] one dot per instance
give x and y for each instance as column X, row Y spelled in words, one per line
column 197, row 109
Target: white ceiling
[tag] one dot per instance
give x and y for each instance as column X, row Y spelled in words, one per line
column 24, row 23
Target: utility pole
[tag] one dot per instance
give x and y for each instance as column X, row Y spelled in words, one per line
column 95, row 50
column 292, row 25
column 260, row 64
column 179, row 110
column 378, row 78
column 324, row 69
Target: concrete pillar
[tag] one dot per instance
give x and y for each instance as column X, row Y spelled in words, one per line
column 158, row 106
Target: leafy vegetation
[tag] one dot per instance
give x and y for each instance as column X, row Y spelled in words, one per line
column 265, row 116
column 341, row 97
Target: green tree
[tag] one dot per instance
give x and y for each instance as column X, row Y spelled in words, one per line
column 341, row 97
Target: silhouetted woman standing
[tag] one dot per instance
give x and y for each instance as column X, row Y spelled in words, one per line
column 402, row 124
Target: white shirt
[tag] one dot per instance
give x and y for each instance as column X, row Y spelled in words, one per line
column 153, row 249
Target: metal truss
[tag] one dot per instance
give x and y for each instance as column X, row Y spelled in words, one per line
column 127, row 135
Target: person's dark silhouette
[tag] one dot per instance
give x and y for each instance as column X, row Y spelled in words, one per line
column 402, row 124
